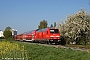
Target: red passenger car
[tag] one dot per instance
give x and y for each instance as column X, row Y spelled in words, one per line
column 30, row 35
column 27, row 36
column 49, row 35
column 18, row 37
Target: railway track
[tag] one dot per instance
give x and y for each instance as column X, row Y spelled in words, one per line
column 59, row 46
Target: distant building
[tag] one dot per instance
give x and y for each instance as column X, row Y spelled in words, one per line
column 14, row 32
column 1, row 33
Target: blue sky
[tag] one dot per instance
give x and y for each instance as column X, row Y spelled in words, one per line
column 25, row 15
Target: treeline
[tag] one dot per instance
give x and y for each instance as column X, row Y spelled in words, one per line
column 76, row 28
column 44, row 24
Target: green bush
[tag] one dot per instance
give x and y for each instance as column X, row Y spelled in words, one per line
column 7, row 34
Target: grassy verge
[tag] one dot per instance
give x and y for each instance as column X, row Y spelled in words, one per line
column 38, row 52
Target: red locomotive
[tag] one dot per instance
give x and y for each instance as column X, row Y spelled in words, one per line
column 48, row 35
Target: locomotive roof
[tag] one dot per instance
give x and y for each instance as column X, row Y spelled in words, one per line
column 44, row 29
column 29, row 32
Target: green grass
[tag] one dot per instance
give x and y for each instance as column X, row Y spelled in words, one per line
column 38, row 52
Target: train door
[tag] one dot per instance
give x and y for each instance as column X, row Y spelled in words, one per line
column 32, row 36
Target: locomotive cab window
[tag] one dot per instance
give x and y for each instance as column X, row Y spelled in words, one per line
column 54, row 31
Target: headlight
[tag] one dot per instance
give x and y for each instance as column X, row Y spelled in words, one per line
column 57, row 36
column 52, row 36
